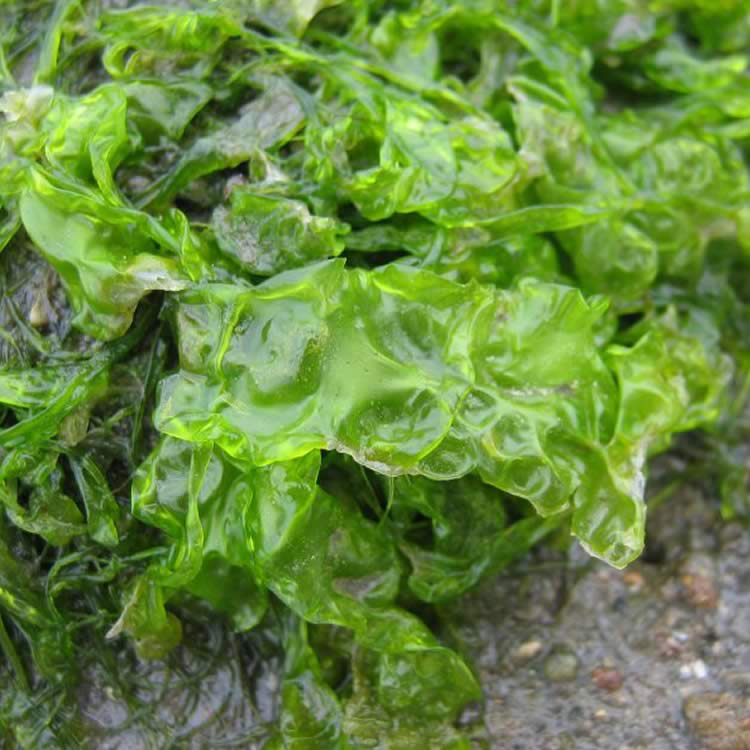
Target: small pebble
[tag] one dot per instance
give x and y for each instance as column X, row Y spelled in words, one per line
column 561, row 666
column 633, row 580
column 528, row 650
column 600, row 714
column 38, row 315
column 607, row 678
column 671, row 647
column 700, row 590
column 694, row 670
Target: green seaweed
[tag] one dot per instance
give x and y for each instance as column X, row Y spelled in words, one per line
column 314, row 315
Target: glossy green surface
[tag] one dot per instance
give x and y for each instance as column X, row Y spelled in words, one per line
column 315, row 314
column 411, row 374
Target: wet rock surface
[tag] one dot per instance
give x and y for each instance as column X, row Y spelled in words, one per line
column 574, row 655
column 218, row 691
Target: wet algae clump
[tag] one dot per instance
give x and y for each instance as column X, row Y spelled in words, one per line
column 314, row 316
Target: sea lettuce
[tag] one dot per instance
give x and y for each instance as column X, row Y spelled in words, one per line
column 412, row 374
column 313, row 315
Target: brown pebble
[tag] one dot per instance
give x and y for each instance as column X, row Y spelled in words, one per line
column 607, row 678
column 670, row 647
column 633, row 580
column 700, row 590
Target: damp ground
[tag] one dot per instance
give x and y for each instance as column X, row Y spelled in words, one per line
column 574, row 655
